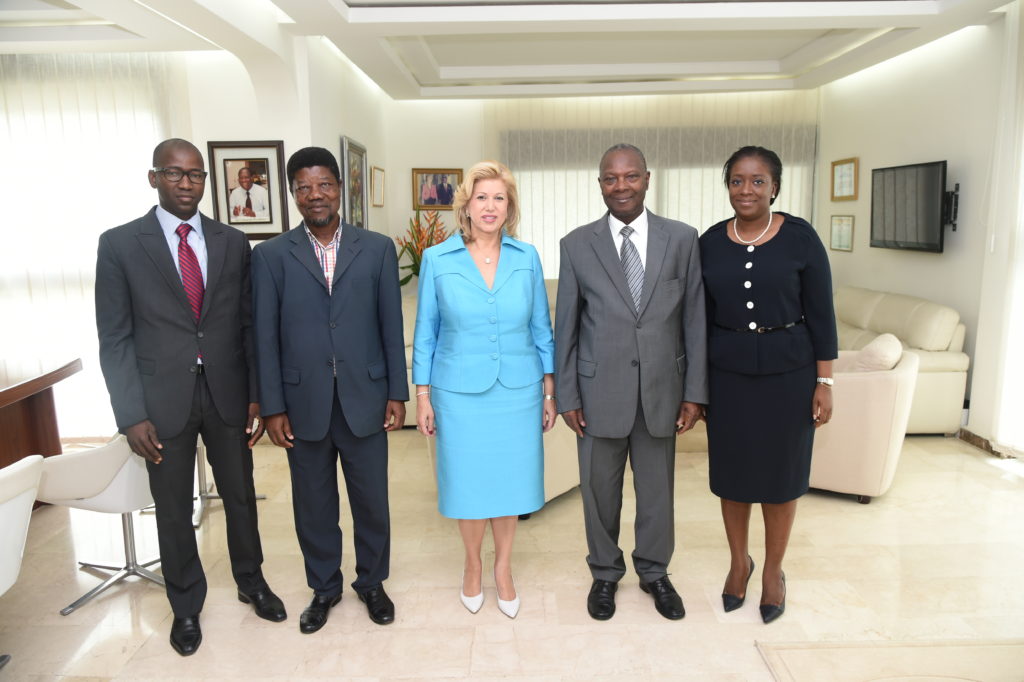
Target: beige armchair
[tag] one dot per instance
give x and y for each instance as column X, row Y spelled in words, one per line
column 857, row 452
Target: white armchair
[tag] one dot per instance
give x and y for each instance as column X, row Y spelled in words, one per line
column 18, row 484
column 109, row 479
column 857, row 452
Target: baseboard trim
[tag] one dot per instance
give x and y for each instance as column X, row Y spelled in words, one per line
column 981, row 443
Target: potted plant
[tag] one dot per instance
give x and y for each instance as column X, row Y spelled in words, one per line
column 422, row 233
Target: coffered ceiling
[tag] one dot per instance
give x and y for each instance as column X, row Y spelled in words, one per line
column 416, row 49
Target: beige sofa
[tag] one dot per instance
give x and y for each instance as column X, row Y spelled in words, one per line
column 561, row 468
column 857, row 452
column 931, row 331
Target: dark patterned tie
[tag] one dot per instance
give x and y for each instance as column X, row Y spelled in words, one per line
column 191, row 274
column 632, row 265
column 248, row 200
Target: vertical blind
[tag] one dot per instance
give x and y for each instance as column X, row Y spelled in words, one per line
column 76, row 135
column 553, row 147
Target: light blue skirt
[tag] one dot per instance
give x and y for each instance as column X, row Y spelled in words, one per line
column 490, row 455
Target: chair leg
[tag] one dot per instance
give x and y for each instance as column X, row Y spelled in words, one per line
column 205, row 492
column 864, row 499
column 4, row 658
column 131, row 567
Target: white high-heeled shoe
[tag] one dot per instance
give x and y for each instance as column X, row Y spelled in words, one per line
column 509, row 608
column 472, row 604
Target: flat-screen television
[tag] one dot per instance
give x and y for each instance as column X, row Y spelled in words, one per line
column 908, row 206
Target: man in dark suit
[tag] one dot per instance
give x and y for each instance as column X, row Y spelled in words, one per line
column 630, row 372
column 445, row 193
column 173, row 311
column 331, row 357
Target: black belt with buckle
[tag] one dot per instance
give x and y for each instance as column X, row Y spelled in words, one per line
column 761, row 330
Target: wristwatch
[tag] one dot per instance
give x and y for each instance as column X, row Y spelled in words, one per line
column 828, row 381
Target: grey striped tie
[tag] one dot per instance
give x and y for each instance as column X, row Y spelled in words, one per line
column 632, row 265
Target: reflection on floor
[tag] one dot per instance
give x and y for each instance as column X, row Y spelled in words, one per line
column 938, row 557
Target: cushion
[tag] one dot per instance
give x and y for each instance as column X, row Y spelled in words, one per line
column 881, row 354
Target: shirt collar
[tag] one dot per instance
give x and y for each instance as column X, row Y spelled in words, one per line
column 316, row 242
column 639, row 225
column 169, row 223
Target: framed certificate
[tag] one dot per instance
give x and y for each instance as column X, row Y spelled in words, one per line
column 844, row 179
column 842, row 233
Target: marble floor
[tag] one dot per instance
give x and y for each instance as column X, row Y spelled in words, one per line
column 937, row 558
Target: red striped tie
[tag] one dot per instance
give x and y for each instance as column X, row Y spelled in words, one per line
column 191, row 275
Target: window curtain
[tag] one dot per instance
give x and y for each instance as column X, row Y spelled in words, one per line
column 76, row 136
column 553, row 148
column 1004, row 299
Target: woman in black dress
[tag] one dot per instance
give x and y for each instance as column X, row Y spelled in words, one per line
column 771, row 342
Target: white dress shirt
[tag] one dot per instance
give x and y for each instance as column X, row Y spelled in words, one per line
column 169, row 224
column 639, row 236
column 260, row 203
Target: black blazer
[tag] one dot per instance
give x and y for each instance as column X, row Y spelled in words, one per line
column 149, row 340
column 303, row 333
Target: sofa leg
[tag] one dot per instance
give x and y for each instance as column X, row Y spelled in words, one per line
column 523, row 517
column 864, row 499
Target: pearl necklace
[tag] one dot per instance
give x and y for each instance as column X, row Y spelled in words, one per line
column 763, row 232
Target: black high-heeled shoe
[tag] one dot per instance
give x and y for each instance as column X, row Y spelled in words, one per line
column 770, row 612
column 731, row 602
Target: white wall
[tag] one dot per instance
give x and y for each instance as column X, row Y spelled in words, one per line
column 937, row 102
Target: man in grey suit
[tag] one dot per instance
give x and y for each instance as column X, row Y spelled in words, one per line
column 328, row 318
column 173, row 311
column 630, row 366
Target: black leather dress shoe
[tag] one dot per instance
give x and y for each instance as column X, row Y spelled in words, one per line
column 186, row 636
column 266, row 604
column 601, row 600
column 666, row 599
column 379, row 606
column 315, row 615
column 770, row 612
column 730, row 602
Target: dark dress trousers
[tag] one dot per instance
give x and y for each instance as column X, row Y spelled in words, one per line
column 331, row 361
column 760, row 429
column 149, row 345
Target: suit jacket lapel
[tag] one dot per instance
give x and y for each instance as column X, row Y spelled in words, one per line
column 154, row 243
column 657, row 243
column 303, row 251
column 348, row 248
column 216, row 247
column 604, row 247
column 508, row 260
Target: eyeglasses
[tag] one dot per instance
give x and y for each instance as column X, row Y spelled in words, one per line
column 175, row 174
column 323, row 187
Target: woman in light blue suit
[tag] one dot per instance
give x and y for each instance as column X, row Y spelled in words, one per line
column 483, row 363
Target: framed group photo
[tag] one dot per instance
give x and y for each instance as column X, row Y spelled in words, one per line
column 249, row 186
column 434, row 188
column 354, row 182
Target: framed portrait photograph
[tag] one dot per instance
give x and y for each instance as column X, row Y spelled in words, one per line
column 842, row 233
column 248, row 185
column 434, row 188
column 844, row 179
column 353, row 180
column 376, row 186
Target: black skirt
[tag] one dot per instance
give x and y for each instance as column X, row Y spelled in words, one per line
column 760, row 434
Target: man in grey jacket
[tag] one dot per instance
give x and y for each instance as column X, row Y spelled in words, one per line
column 631, row 372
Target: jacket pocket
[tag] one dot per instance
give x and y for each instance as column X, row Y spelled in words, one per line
column 146, row 366
column 586, row 368
column 377, row 370
column 290, row 375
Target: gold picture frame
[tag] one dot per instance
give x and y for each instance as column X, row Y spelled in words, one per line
column 845, row 179
column 376, row 186
column 433, row 189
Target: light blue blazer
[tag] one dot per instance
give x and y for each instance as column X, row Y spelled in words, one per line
column 468, row 336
